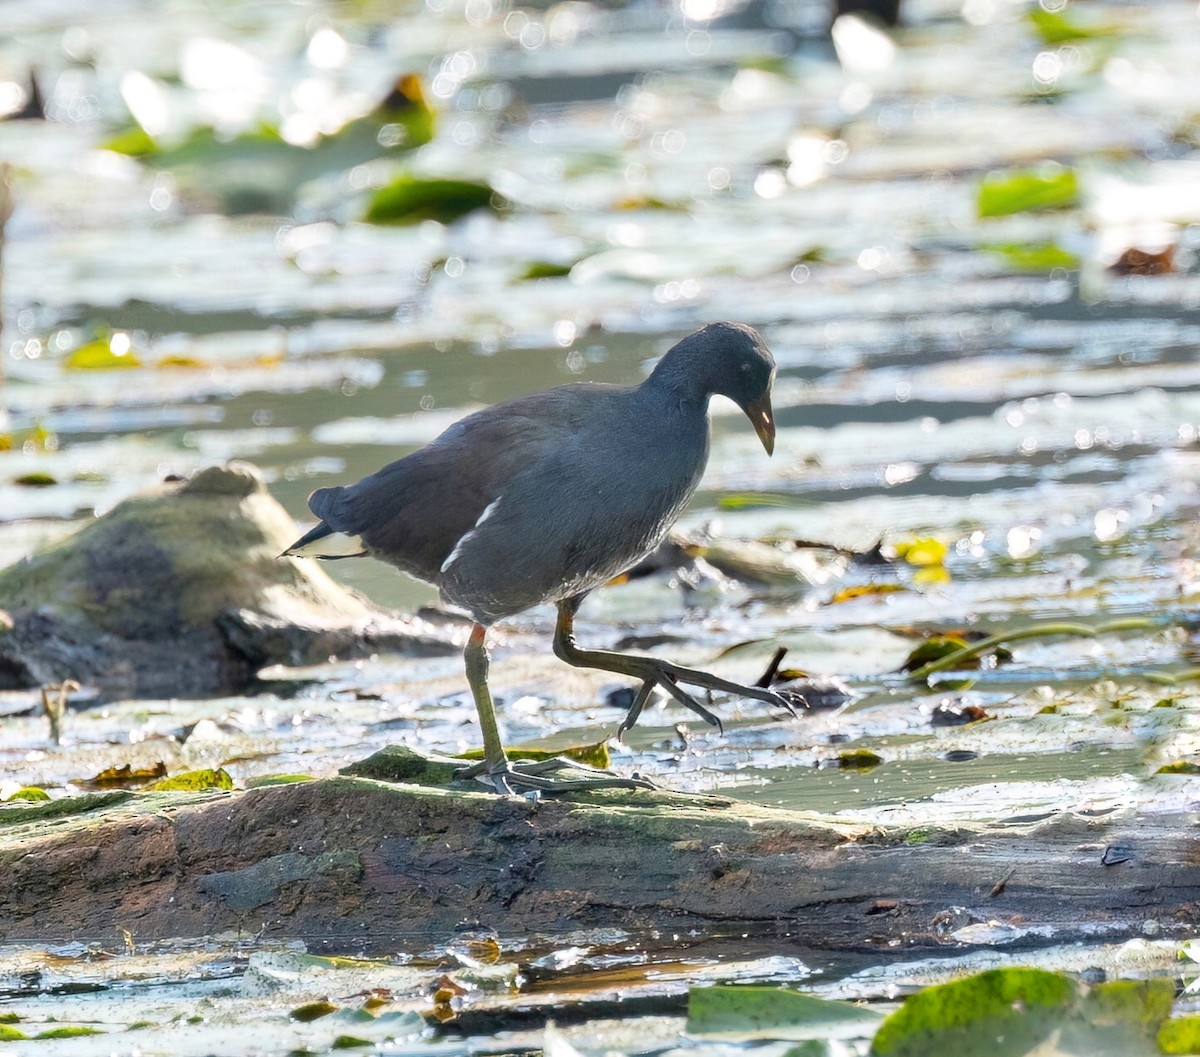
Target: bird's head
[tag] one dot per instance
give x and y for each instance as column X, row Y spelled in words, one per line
column 730, row 359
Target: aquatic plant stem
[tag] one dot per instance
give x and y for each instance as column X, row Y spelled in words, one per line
column 1188, row 675
column 1033, row 631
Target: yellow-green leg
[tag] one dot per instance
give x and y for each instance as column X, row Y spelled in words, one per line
column 652, row 672
column 526, row 776
column 495, row 760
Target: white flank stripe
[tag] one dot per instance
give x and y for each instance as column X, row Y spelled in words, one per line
column 453, row 556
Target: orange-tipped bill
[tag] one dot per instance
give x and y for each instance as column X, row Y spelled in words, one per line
column 763, row 419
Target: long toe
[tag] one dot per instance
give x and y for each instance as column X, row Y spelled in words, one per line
column 662, row 673
column 560, row 775
column 668, row 683
column 793, row 700
column 501, row 783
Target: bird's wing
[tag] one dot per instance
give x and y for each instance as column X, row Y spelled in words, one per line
column 414, row 511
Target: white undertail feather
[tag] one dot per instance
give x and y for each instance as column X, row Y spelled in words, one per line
column 335, row 545
column 488, row 511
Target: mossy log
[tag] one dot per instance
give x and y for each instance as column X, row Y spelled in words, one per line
column 181, row 592
column 359, row 864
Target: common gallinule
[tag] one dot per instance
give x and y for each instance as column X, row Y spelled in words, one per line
column 545, row 497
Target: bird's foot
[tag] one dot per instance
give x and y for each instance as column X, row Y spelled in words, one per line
column 668, row 676
column 654, row 672
column 535, row 777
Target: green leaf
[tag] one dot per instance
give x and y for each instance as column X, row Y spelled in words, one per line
column 311, row 1011
column 1033, row 256
column 1181, row 1035
column 8, row 1034
column 1050, row 186
column 1057, row 27
column 134, row 142
column 411, row 199
column 773, row 1013
column 999, row 1013
column 28, row 792
column 68, row 1033
column 935, row 648
column 859, row 759
column 1179, row 767
column 35, row 480
column 544, row 270
column 194, row 781
column 744, row 500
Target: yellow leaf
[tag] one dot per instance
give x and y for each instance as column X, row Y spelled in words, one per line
column 592, row 755
column 104, row 354
column 931, row 574
column 195, row 781
column 922, row 552
column 847, row 594
column 123, row 777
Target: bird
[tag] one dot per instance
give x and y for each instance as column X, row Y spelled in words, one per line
column 545, row 497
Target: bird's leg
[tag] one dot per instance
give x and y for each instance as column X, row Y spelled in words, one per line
column 505, row 776
column 495, row 762
column 652, row 671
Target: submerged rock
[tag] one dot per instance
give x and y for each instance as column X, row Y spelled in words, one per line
column 180, row 591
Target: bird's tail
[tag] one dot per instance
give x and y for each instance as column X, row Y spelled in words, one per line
column 323, row 541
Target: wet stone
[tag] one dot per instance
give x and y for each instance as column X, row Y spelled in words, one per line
column 180, row 591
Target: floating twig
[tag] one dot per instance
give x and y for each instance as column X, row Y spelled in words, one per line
column 54, row 701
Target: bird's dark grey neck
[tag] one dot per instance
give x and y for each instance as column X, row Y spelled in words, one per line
column 684, row 379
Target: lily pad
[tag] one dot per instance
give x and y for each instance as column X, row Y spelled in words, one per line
column 1033, row 256
column 1058, row 27
column 773, row 1013
column 410, row 199
column 935, row 648
column 36, row 480
column 999, row 1013
column 1180, row 1035
column 29, row 793
column 68, row 1032
column 1028, row 190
